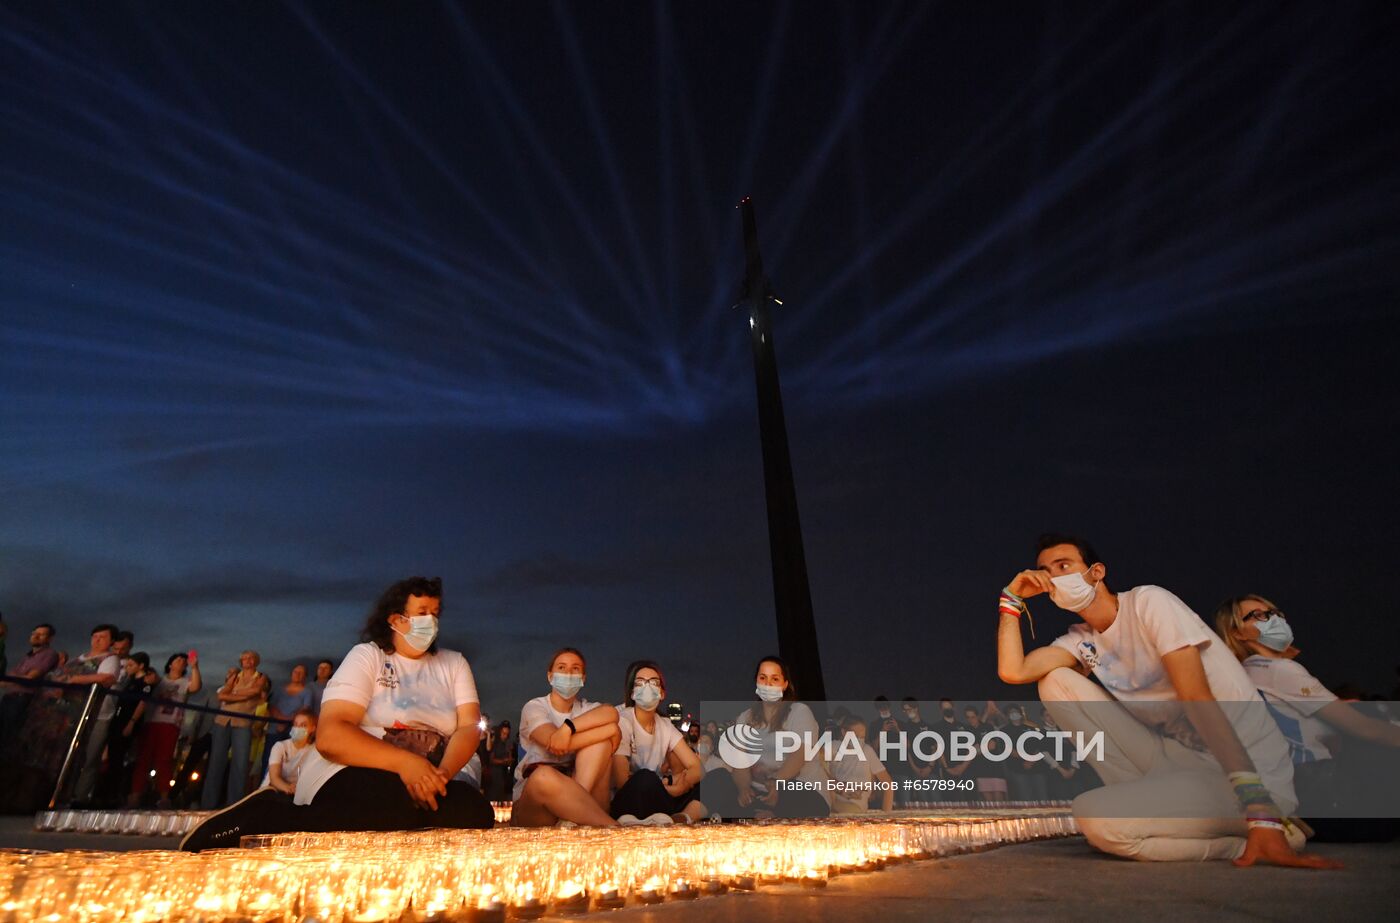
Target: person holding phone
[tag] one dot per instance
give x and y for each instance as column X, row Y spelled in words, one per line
column 160, row 732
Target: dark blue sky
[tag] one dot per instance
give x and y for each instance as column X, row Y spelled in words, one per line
column 297, row 300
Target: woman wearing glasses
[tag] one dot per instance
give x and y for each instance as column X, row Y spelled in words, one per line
column 1313, row 721
column 654, row 772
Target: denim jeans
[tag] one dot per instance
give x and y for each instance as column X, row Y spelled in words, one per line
column 235, row 785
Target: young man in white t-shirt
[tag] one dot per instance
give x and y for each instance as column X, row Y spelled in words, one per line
column 1185, row 779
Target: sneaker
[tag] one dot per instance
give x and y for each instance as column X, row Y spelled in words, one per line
column 265, row 811
column 629, row 820
column 565, row 824
column 658, row 820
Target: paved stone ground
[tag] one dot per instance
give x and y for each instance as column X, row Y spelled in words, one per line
column 1061, row 880
column 1065, row 880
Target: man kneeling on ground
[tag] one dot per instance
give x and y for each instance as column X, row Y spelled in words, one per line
column 1184, row 778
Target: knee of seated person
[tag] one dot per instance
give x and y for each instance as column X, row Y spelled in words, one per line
column 608, row 744
column 545, row 779
column 1112, row 835
column 1058, row 685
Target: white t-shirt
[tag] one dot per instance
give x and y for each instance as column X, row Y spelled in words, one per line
column 853, row 775
column 800, row 720
column 1127, row 659
column 107, row 665
column 536, row 713
column 291, row 758
column 1295, row 696
column 177, row 689
column 643, row 750
column 396, row 692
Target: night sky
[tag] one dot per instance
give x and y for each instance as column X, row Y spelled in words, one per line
column 298, row 300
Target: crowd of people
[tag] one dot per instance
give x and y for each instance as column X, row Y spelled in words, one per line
column 392, row 737
column 157, row 737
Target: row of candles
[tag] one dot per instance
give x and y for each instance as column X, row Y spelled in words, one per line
column 486, row 876
column 149, row 823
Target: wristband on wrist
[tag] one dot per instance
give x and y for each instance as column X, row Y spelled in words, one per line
column 569, row 723
column 1253, row 797
column 1015, row 606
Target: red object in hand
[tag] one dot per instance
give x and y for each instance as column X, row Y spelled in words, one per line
column 193, row 656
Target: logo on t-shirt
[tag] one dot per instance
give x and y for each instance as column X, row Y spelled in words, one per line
column 387, row 677
column 1089, row 653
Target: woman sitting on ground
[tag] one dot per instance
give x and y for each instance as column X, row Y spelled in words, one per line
column 655, row 773
column 1314, row 722
column 568, row 743
column 284, row 763
column 398, row 721
column 763, row 789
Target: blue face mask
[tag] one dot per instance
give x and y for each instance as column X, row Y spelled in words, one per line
column 566, row 684
column 646, row 696
column 422, row 631
column 1275, row 633
column 298, row 734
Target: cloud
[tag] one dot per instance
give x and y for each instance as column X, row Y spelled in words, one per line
column 47, row 583
column 553, row 572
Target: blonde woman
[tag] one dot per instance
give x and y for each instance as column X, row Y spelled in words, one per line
column 1312, row 719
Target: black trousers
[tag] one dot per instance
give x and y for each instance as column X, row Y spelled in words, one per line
column 722, row 798
column 644, row 794
column 357, row 798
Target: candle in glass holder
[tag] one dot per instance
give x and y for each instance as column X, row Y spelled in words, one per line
column 651, row 891
column 527, row 908
column 487, row 910
column 683, row 890
column 608, row 897
column 571, row 898
column 812, row 878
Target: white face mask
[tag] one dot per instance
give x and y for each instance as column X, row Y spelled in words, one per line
column 646, row 696
column 422, row 631
column 1072, row 592
column 768, row 693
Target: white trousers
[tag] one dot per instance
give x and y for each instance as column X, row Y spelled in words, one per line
column 1144, row 771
